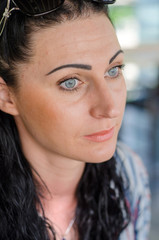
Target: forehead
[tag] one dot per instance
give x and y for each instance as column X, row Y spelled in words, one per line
column 82, row 40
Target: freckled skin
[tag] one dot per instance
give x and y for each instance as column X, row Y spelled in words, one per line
column 52, row 123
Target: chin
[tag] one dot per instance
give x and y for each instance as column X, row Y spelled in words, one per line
column 102, row 155
column 102, row 152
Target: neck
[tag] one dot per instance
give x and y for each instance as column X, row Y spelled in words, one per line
column 61, row 177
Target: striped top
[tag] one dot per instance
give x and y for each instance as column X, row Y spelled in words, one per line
column 137, row 193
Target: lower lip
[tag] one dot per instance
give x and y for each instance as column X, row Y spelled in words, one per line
column 101, row 137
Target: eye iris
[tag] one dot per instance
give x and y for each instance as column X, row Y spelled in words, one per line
column 113, row 72
column 70, row 83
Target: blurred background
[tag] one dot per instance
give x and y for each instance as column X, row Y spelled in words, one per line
column 137, row 27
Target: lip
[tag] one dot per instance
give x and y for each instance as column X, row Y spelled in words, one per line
column 101, row 136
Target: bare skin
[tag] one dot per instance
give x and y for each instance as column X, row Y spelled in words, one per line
column 53, row 119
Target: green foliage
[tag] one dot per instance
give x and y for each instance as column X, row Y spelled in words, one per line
column 119, row 14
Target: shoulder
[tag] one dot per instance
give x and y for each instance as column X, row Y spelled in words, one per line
column 130, row 165
column 137, row 192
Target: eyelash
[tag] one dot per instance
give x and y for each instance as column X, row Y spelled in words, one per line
column 69, row 90
column 120, row 67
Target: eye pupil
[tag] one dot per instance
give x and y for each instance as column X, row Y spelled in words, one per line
column 113, row 71
column 70, row 83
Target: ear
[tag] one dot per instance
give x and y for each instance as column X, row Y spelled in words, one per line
column 7, row 103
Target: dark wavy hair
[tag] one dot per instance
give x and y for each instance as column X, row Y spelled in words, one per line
column 101, row 211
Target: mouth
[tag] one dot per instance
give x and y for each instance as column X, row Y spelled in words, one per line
column 101, row 136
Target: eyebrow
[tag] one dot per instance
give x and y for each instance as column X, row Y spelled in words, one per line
column 115, row 55
column 75, row 65
column 82, row 66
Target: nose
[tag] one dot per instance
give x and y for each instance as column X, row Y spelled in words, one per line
column 104, row 102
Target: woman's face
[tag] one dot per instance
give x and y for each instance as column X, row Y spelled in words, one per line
column 71, row 95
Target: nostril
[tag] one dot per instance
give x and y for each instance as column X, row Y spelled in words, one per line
column 104, row 111
column 104, row 107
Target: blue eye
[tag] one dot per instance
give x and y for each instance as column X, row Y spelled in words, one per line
column 115, row 71
column 69, row 84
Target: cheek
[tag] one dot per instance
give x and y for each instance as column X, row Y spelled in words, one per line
column 123, row 96
column 47, row 112
column 35, row 108
column 120, row 95
column 120, row 101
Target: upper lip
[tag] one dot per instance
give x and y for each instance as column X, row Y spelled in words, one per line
column 100, row 133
